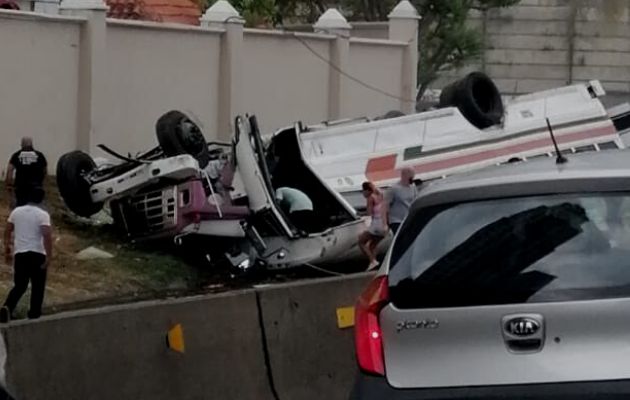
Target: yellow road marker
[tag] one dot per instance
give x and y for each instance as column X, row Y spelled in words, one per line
column 175, row 338
column 345, row 317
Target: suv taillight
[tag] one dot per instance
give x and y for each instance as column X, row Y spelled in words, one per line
column 367, row 330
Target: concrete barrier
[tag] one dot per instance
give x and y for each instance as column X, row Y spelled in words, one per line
column 310, row 357
column 121, row 352
column 276, row 343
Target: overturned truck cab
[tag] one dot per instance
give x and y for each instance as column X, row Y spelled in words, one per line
column 224, row 197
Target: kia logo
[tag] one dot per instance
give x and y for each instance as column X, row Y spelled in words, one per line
column 522, row 326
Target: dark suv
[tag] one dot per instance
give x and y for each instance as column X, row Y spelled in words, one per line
column 509, row 283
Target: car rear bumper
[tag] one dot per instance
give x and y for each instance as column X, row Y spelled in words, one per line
column 376, row 388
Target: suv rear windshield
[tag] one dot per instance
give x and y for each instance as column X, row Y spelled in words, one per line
column 514, row 250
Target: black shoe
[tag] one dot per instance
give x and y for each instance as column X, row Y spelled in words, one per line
column 5, row 315
column 32, row 315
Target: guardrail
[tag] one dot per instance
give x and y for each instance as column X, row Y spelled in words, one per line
column 279, row 342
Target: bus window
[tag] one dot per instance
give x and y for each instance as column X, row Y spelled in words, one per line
column 584, row 149
column 412, row 152
column 608, row 146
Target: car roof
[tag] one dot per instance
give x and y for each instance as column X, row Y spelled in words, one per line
column 597, row 171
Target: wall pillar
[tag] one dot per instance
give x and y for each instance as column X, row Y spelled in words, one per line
column 403, row 27
column 91, row 111
column 333, row 23
column 223, row 16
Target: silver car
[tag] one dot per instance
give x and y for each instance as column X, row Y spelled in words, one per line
column 509, row 283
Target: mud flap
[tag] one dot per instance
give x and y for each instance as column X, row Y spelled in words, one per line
column 254, row 238
column 250, row 158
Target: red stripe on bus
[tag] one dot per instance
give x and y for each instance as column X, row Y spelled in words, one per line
column 379, row 165
column 380, row 174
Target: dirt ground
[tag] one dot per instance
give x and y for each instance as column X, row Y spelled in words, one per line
column 136, row 271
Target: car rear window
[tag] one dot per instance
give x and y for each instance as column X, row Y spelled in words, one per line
column 513, row 250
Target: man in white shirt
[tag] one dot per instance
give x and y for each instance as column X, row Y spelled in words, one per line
column 28, row 244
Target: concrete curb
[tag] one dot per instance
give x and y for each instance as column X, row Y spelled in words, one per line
column 271, row 343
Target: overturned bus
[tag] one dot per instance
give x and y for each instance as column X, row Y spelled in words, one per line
column 471, row 128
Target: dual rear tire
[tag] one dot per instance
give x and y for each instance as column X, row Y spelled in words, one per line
column 477, row 98
column 178, row 135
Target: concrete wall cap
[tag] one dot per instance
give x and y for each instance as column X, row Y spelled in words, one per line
column 332, row 19
column 83, row 5
column 404, row 10
column 222, row 12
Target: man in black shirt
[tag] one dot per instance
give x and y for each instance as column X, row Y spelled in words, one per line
column 26, row 170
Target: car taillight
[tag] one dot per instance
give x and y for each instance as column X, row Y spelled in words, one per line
column 367, row 330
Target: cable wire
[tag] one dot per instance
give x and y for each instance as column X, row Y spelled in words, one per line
column 347, row 75
column 326, row 271
column 336, row 67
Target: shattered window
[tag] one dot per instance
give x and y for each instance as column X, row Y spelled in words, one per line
column 516, row 250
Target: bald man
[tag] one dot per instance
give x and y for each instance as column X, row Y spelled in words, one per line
column 399, row 197
column 26, row 170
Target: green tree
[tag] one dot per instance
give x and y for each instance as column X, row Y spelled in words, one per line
column 270, row 13
column 255, row 12
column 445, row 40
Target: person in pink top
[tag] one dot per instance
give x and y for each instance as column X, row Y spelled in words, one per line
column 369, row 240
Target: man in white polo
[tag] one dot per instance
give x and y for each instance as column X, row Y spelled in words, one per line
column 28, row 244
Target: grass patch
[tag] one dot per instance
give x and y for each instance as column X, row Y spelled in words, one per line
column 136, row 271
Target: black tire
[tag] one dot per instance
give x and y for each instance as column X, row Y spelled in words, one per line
column 177, row 135
column 73, row 187
column 477, row 98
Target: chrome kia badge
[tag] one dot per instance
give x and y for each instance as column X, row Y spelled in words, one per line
column 522, row 326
